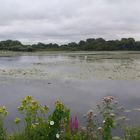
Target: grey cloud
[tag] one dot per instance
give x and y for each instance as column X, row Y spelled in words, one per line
column 63, row 21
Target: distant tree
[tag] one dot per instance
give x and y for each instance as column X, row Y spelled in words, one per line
column 91, row 44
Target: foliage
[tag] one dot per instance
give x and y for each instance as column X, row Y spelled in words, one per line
column 37, row 126
column 3, row 114
column 132, row 133
column 91, row 44
column 42, row 125
column 110, row 112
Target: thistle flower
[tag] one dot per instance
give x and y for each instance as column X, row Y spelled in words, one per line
column 90, row 113
column 108, row 99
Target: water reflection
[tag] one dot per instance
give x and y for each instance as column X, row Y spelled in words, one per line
column 74, row 81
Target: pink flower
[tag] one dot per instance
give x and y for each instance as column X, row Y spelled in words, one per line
column 73, row 124
column 108, row 99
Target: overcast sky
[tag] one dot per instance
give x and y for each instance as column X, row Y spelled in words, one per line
column 62, row 21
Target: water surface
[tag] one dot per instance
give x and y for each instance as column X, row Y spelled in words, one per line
column 78, row 79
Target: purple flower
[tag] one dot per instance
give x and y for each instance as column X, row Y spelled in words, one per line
column 73, row 124
column 76, row 123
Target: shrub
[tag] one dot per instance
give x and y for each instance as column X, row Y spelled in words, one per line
column 3, row 114
column 38, row 124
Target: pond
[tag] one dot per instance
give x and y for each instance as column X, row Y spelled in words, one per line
column 78, row 79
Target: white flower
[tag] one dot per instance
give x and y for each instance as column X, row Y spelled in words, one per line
column 57, row 136
column 36, row 123
column 112, row 115
column 99, row 128
column 103, row 121
column 51, row 122
column 3, row 107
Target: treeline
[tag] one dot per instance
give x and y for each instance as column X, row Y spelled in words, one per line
column 90, row 44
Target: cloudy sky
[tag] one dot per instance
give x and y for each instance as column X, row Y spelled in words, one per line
column 62, row 21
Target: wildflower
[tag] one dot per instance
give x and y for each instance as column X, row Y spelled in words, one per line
column 90, row 114
column 57, row 136
column 83, row 129
column 51, row 122
column 36, row 123
column 108, row 99
column 103, row 121
column 3, row 107
column 112, row 115
column 74, row 124
column 99, row 128
column 17, row 120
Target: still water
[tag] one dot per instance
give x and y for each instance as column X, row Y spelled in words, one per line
column 78, row 79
